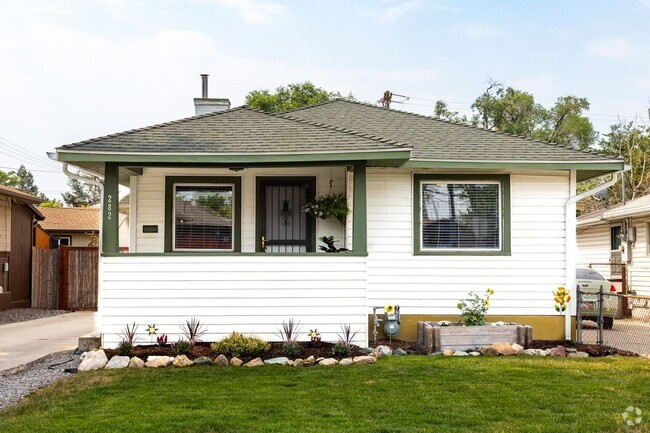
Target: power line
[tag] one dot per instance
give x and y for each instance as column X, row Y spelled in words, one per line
column 34, row 170
column 27, row 154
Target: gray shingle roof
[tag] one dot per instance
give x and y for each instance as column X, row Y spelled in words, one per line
column 238, row 131
column 439, row 140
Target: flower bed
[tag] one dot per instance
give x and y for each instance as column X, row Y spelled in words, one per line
column 435, row 338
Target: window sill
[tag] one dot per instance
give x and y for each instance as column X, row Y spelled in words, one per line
column 231, row 254
column 462, row 253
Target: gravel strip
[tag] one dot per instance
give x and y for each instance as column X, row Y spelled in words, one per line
column 24, row 314
column 20, row 381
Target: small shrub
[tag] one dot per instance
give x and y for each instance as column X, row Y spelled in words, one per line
column 346, row 337
column 161, row 340
column 341, row 350
column 193, row 330
column 124, row 348
column 128, row 339
column 291, row 350
column 181, row 347
column 474, row 309
column 240, row 345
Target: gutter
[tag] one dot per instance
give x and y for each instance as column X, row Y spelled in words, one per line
column 570, row 246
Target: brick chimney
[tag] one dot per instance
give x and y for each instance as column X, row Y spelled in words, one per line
column 205, row 105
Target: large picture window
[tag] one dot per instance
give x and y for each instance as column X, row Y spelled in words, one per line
column 456, row 214
column 202, row 214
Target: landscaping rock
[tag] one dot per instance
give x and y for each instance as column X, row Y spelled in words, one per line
column 489, row 351
column 448, row 352
column 93, row 360
column 535, row 352
column 375, row 355
column 136, row 362
column 290, row 363
column 384, row 350
column 518, row 348
column 254, row 363
column 204, row 360
column 475, row 353
column 158, row 361
column 557, row 351
column 368, row 350
column 319, row 359
column 399, row 352
column 504, row 349
column 118, row 362
column 182, row 361
column 364, row 360
column 309, row 361
column 282, row 360
column 571, row 349
column 460, row 353
column 436, row 354
column 328, row 361
column 221, row 360
column 298, row 363
column 236, row 361
column 346, row 361
column 578, row 355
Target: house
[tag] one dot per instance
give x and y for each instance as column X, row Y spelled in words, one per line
column 17, row 219
column 608, row 237
column 78, row 226
column 438, row 209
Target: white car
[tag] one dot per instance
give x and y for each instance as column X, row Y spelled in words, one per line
column 589, row 283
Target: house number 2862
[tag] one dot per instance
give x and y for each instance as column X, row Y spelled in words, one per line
column 109, row 207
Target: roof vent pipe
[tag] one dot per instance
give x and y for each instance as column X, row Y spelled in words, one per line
column 204, row 86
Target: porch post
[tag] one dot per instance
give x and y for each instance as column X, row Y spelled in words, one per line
column 110, row 217
column 359, row 212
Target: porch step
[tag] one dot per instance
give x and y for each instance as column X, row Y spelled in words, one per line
column 89, row 342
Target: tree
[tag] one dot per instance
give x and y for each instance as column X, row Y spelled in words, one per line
column 8, row 178
column 51, row 203
column 25, row 182
column 81, row 194
column 295, row 95
column 514, row 111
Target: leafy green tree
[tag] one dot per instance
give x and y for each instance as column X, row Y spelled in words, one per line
column 8, row 178
column 25, row 182
column 81, row 194
column 631, row 141
column 295, row 95
column 441, row 111
column 51, row 203
column 566, row 123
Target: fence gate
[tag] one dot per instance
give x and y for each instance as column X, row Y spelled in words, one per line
column 65, row 278
column 614, row 320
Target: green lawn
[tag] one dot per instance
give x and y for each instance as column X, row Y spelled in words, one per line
column 408, row 394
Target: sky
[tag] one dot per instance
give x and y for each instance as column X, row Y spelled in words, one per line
column 77, row 69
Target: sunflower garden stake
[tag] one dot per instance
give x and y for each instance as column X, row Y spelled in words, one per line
column 151, row 329
column 561, row 298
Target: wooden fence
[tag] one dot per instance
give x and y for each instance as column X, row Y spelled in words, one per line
column 65, row 278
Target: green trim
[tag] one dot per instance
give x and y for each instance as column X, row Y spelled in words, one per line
column 505, row 214
column 605, row 165
column 110, row 214
column 359, row 210
column 229, row 254
column 136, row 158
column 260, row 203
column 169, row 206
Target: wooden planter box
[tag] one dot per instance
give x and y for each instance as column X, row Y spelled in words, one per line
column 436, row 338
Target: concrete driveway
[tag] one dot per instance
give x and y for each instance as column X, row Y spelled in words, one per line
column 24, row 342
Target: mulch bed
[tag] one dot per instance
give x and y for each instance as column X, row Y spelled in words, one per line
column 307, row 348
column 325, row 350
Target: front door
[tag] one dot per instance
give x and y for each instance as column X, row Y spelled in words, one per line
column 283, row 226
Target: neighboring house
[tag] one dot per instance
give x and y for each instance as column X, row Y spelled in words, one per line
column 72, row 226
column 77, row 226
column 17, row 219
column 618, row 235
column 438, row 210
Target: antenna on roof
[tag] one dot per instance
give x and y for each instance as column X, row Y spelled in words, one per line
column 387, row 99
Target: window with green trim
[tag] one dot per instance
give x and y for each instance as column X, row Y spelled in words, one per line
column 457, row 214
column 203, row 213
column 203, row 217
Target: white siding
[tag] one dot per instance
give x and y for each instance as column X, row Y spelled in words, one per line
column 5, row 223
column 151, row 203
column 593, row 248
column 639, row 269
column 422, row 284
column 250, row 294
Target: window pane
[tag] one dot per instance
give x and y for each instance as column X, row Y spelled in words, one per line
column 615, row 237
column 203, row 217
column 460, row 215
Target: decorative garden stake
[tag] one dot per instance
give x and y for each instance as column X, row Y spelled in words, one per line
column 561, row 298
column 314, row 335
column 151, row 329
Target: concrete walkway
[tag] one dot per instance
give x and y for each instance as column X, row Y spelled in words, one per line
column 24, row 342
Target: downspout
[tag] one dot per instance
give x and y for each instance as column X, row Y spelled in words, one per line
column 570, row 245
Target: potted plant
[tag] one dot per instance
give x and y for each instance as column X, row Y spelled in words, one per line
column 328, row 206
